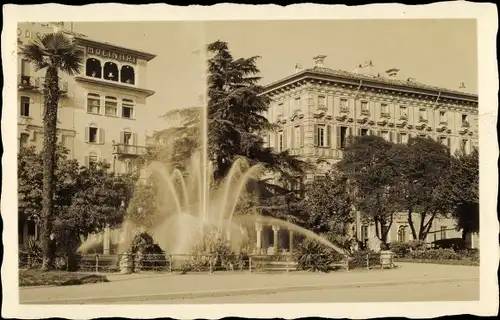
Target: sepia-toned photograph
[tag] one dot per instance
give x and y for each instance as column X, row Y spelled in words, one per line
column 242, row 162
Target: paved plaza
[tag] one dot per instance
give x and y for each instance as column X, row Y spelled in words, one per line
column 408, row 282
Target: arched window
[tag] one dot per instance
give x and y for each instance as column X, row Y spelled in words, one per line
column 127, row 108
column 110, row 106
column 110, row 71
column 93, row 103
column 402, row 234
column 127, row 75
column 93, row 68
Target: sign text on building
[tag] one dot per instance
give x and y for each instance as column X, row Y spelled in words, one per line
column 111, row 54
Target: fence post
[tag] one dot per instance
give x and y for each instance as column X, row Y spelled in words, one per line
column 96, row 263
column 368, row 261
column 210, row 265
column 170, row 263
column 250, row 264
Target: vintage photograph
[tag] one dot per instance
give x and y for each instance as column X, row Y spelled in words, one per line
column 247, row 161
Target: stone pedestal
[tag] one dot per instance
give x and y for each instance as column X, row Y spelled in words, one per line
column 106, row 241
column 290, row 239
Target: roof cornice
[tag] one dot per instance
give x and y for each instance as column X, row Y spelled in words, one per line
column 140, row 54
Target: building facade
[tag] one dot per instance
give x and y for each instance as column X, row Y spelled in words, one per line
column 103, row 114
column 318, row 108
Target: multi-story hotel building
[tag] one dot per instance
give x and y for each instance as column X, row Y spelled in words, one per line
column 102, row 113
column 318, row 108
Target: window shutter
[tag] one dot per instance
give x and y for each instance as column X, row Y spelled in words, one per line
column 372, row 132
column 315, row 135
column 86, row 133
column 276, row 141
column 350, row 132
column 390, row 136
column 86, row 161
column 301, row 136
column 448, row 142
column 338, row 137
column 101, row 135
column 122, row 137
column 284, row 139
column 379, row 133
column 134, row 136
column 269, row 140
column 398, row 137
column 358, row 131
column 292, row 138
column 328, row 135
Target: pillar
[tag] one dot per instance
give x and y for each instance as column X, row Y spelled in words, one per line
column 290, row 239
column 106, row 241
column 258, row 229
column 276, row 229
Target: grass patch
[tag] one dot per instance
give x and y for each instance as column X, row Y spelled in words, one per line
column 57, row 278
column 433, row 261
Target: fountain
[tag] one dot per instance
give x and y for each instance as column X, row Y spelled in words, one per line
column 192, row 205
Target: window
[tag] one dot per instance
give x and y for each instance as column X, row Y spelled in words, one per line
column 93, row 103
column 443, row 232
column 23, row 140
column 93, row 138
column 297, row 103
column 364, row 105
column 421, row 115
column 127, row 137
column 442, row 117
column 110, row 106
column 321, row 101
column 343, row 137
column 25, row 106
column 127, row 75
column 385, row 135
column 364, row 132
column 297, row 137
column 402, row 112
column 127, row 108
column 25, row 69
column 344, row 105
column 402, row 234
column 464, row 117
column 280, row 108
column 464, row 145
column 280, row 141
column 321, row 136
column 465, row 121
column 404, row 138
column 92, row 159
column 93, row 68
column 364, row 233
column 110, row 71
column 443, row 140
column 384, row 109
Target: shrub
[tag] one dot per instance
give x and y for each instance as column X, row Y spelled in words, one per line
column 358, row 259
column 403, row 249
column 313, row 256
column 30, row 253
column 151, row 256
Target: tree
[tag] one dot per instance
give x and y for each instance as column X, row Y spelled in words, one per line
column 372, row 169
column 86, row 199
column 426, row 168
column 463, row 190
column 236, row 126
column 53, row 52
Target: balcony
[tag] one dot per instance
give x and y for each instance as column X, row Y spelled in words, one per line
column 63, row 85
column 365, row 112
column 403, row 116
column 344, row 110
column 385, row 115
column 27, row 82
column 122, row 149
column 422, row 120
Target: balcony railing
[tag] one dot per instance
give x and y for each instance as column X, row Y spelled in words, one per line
column 403, row 117
column 27, row 82
column 365, row 112
column 385, row 115
column 129, row 150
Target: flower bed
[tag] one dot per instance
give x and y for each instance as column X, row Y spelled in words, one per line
column 57, row 278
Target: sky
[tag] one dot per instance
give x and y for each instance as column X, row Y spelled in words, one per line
column 436, row 52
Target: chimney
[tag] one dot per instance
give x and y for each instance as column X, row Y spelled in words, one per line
column 392, row 73
column 318, row 60
column 410, row 80
column 462, row 85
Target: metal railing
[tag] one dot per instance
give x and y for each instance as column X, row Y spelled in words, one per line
column 27, row 82
column 126, row 149
column 170, row 263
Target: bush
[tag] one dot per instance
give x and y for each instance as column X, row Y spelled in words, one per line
column 151, row 256
column 403, row 249
column 453, row 243
column 358, row 259
column 313, row 256
column 30, row 254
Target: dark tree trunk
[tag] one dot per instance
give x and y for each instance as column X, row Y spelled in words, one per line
column 51, row 96
column 410, row 222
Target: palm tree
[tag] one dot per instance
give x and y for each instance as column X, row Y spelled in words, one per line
column 53, row 52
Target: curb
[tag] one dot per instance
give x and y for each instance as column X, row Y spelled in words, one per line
column 236, row 292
